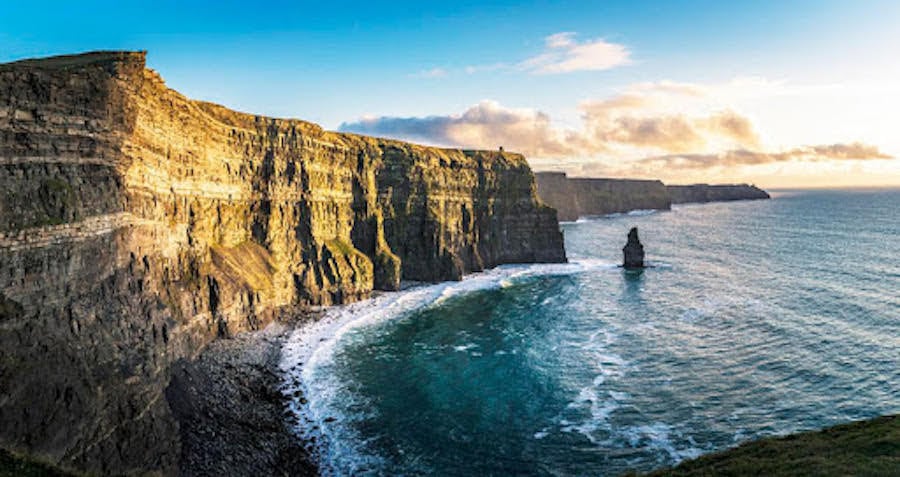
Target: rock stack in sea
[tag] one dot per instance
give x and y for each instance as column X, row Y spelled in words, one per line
column 633, row 251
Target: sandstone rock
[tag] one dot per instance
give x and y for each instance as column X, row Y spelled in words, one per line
column 137, row 225
column 633, row 251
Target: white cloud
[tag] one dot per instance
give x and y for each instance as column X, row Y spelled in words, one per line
column 563, row 39
column 742, row 157
column 485, row 125
column 563, row 54
column 646, row 130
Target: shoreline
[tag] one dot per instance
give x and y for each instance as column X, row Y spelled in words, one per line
column 286, row 347
column 231, row 410
column 309, row 344
column 241, row 404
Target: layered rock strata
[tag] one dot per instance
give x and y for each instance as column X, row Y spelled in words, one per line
column 682, row 194
column 137, row 225
column 575, row 197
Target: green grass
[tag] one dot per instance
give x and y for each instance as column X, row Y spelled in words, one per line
column 15, row 466
column 864, row 448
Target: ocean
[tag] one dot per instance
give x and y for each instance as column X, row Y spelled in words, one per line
column 757, row 318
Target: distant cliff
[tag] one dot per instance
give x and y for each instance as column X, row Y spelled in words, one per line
column 579, row 197
column 575, row 197
column 137, row 225
column 715, row 193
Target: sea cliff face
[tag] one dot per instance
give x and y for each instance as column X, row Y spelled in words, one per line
column 137, row 225
column 579, row 197
column 682, row 194
column 575, row 197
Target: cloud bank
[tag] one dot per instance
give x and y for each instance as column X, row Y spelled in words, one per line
column 650, row 126
column 626, row 120
column 742, row 157
column 485, row 125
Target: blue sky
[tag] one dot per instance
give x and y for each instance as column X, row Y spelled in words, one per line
column 336, row 62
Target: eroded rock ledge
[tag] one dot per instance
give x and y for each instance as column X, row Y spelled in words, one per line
column 137, row 225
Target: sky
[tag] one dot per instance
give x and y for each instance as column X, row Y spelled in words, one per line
column 776, row 93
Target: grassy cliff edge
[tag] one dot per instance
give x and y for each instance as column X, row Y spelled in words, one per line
column 870, row 447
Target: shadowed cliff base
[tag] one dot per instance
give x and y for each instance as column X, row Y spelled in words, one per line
column 860, row 448
column 137, row 226
column 575, row 197
column 232, row 414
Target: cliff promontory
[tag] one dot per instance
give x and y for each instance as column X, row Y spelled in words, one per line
column 682, row 194
column 137, row 225
column 575, row 197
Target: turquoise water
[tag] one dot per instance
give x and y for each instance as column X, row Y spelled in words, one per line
column 760, row 318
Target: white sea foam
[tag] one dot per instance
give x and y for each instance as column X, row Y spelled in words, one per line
column 630, row 213
column 310, row 352
column 596, row 398
column 465, row 347
column 659, row 436
column 641, row 212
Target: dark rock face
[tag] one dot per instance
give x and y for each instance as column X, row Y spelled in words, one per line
column 579, row 197
column 682, row 194
column 137, row 225
column 633, row 251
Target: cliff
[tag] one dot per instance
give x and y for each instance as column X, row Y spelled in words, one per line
column 579, row 197
column 137, row 225
column 575, row 197
column 715, row 193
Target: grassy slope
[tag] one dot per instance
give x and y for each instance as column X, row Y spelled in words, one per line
column 864, row 448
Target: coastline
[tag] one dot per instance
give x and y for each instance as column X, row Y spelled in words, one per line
column 332, row 322
column 257, row 425
column 310, row 345
column 234, row 403
column 137, row 226
column 189, row 289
